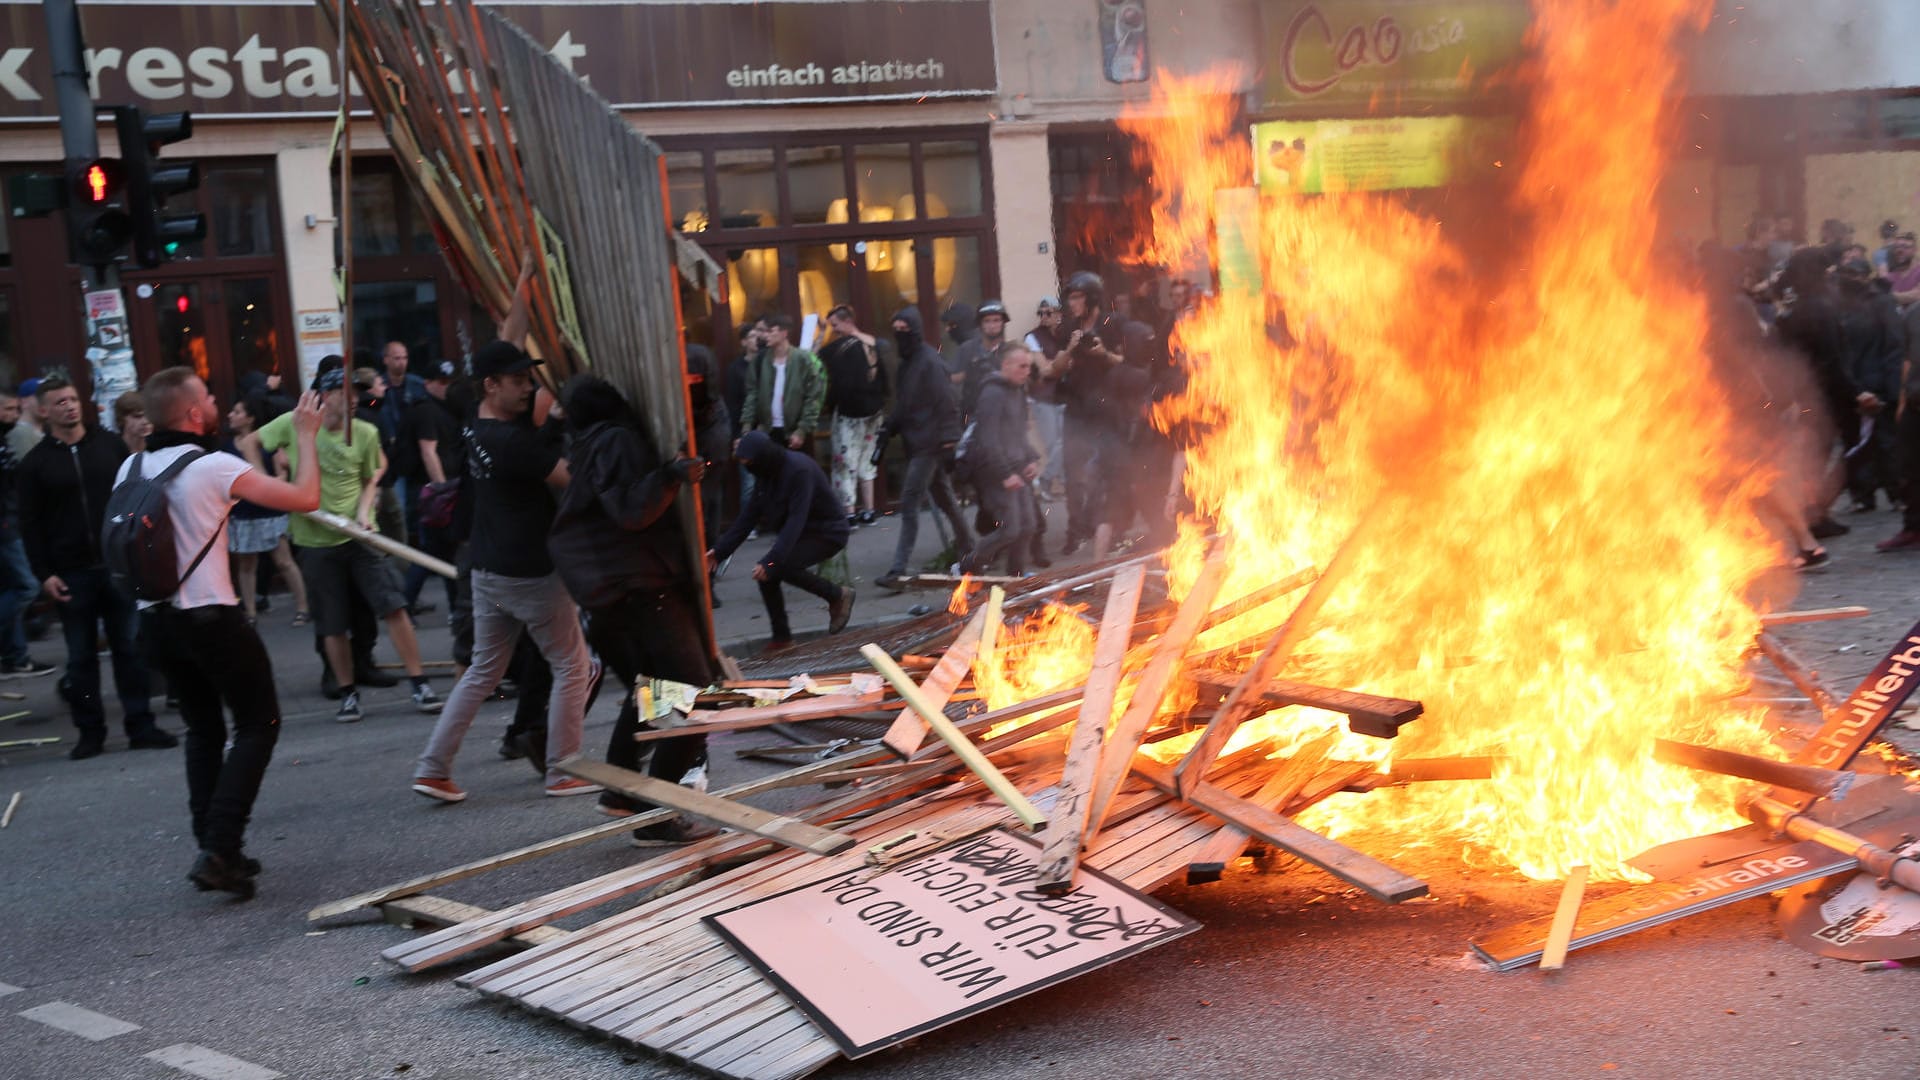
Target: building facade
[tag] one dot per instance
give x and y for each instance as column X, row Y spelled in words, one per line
column 872, row 152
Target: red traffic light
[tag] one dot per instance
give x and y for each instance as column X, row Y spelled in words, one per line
column 100, row 182
column 181, row 303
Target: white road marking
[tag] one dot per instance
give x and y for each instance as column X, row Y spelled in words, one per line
column 210, row 1064
column 85, row 1023
column 8, row 988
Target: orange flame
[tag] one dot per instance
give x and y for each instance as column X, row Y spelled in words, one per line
column 1559, row 533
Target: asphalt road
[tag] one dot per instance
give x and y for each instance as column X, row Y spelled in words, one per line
column 1294, row 975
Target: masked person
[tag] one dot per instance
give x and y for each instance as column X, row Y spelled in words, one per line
column 790, row 494
column 1002, row 463
column 618, row 544
column 926, row 416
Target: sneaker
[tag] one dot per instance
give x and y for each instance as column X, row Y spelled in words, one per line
column 572, row 785
column 892, row 581
column 215, row 873
column 696, row 778
column 840, row 611
column 443, row 790
column 1813, row 559
column 867, row 517
column 24, row 668
column 672, row 833
column 349, row 708
column 151, row 737
column 88, row 746
column 1903, row 540
column 853, row 521
column 425, row 700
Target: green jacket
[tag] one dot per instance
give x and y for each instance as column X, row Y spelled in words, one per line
column 806, row 390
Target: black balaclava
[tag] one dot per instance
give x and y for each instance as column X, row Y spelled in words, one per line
column 909, row 340
column 764, row 457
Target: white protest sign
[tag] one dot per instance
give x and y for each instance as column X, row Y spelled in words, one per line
column 877, row 958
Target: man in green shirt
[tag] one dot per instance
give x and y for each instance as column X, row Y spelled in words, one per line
column 332, row 563
column 787, row 388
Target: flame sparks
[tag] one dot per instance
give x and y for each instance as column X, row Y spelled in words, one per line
column 1549, row 533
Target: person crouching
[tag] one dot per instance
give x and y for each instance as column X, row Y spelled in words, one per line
column 791, row 494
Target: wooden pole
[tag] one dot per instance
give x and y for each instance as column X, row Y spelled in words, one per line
column 346, row 223
column 1797, row 673
column 392, row 547
column 13, row 804
column 1827, row 783
column 963, row 748
column 1554, row 956
column 908, row 732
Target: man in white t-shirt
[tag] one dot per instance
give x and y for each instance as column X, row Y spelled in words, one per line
column 200, row 637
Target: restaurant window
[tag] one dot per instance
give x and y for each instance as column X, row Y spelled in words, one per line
column 1900, row 118
column 377, row 203
column 687, row 189
column 1838, row 118
column 913, row 227
column 241, row 220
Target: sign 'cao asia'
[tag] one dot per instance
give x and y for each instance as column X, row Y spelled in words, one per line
column 1379, row 54
column 268, row 58
column 877, row 958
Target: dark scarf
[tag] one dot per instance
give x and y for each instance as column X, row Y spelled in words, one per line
column 160, row 440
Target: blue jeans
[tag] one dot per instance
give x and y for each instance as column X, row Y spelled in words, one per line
column 91, row 602
column 17, row 590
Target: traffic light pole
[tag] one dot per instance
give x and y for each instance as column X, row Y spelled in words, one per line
column 109, row 359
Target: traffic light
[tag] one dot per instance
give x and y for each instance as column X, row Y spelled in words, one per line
column 150, row 181
column 98, row 224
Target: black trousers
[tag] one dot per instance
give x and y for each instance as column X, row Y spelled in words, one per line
column 1907, row 462
column 213, row 658
column 650, row 635
column 796, row 570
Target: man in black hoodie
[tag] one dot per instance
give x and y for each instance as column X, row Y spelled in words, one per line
column 63, row 485
column 1003, row 463
column 927, row 417
column 791, row 494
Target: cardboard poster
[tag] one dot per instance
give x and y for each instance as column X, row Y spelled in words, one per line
column 1316, row 157
column 878, row 958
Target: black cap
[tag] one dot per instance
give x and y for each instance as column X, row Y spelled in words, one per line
column 330, row 378
column 500, row 358
column 440, row 369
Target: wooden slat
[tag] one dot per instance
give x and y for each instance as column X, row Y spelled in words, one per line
column 909, row 731
column 953, row 737
column 1151, row 690
column 1367, row 714
column 1554, row 957
column 438, row 911
column 1376, row 878
column 1067, row 828
column 1285, row 782
column 711, row 721
column 733, row 815
column 1811, row 615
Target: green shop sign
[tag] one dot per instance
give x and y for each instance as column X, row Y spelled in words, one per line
column 1384, row 54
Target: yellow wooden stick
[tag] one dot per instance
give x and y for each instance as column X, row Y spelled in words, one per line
column 963, row 747
column 1554, row 956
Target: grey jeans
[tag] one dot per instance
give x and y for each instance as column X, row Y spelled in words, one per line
column 502, row 607
column 927, row 479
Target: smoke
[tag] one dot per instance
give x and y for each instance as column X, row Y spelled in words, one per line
column 1757, row 47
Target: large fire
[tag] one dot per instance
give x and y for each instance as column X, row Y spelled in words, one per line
column 1550, row 536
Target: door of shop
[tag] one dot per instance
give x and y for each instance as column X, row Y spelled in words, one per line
column 221, row 325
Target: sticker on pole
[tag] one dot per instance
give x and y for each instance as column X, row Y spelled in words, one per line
column 878, row 958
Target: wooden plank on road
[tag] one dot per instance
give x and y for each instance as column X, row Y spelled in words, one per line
column 734, row 815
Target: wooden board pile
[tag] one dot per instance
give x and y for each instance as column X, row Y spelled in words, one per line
column 656, row 976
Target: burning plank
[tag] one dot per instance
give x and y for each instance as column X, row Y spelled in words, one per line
column 1231, row 841
column 1068, row 828
column 1826, row 783
column 1376, row 878
column 908, row 732
column 1367, row 714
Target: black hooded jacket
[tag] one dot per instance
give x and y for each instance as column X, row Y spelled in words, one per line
column 616, row 531
column 62, row 492
column 999, row 446
column 790, row 493
column 925, row 413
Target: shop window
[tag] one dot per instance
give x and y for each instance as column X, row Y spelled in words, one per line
column 1900, row 117
column 959, row 282
column 817, row 184
column 403, row 311
column 1839, row 119
column 823, row 283
column 253, row 326
column 183, row 327
column 884, row 176
column 753, row 282
column 376, row 213
column 687, row 189
column 885, row 293
column 749, row 191
column 240, row 217
column 696, row 313
column 952, row 171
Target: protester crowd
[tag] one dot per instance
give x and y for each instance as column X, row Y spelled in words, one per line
column 559, row 516
column 1838, row 415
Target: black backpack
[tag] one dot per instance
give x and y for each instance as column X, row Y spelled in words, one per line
column 138, row 535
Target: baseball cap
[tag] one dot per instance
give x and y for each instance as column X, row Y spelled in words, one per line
column 330, row 378
column 439, row 369
column 500, row 358
column 989, row 307
column 30, row 387
column 1049, row 303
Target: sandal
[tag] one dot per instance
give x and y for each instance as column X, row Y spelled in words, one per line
column 301, row 618
column 1811, row 559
